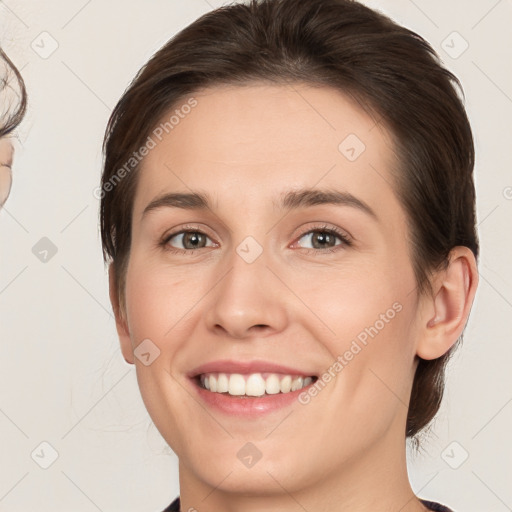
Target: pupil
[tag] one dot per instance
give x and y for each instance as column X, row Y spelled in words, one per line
column 193, row 238
column 323, row 237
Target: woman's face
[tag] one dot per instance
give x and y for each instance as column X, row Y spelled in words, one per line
column 6, row 153
column 267, row 286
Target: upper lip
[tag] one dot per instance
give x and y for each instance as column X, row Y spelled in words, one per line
column 246, row 367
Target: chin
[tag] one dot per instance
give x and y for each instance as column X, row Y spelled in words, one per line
column 262, row 479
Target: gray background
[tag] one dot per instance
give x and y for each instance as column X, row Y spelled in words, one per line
column 63, row 380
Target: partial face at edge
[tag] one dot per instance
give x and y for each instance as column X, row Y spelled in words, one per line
column 297, row 304
column 6, row 155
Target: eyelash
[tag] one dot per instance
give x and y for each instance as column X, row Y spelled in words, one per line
column 317, row 252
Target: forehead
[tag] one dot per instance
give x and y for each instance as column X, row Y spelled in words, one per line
column 255, row 140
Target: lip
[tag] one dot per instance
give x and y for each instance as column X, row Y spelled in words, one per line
column 246, row 367
column 248, row 407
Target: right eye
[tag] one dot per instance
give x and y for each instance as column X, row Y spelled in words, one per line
column 189, row 240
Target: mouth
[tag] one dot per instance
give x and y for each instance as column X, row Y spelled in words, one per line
column 251, row 388
column 252, row 385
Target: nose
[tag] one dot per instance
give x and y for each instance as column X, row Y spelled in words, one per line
column 248, row 301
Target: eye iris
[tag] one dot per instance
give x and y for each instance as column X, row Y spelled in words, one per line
column 194, row 238
column 324, row 237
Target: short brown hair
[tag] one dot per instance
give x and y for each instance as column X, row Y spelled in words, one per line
column 11, row 114
column 390, row 70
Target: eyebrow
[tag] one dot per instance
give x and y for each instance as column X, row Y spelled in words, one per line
column 291, row 200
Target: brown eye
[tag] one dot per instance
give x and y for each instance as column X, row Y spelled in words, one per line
column 324, row 238
column 189, row 240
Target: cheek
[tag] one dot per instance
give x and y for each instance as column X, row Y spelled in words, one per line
column 353, row 299
column 157, row 303
column 161, row 306
column 376, row 352
column 370, row 315
column 373, row 371
column 156, row 300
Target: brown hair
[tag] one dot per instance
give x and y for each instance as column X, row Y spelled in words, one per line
column 391, row 71
column 11, row 117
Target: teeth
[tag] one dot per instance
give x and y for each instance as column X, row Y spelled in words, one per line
column 255, row 384
column 272, row 385
column 297, row 383
column 213, row 383
column 222, row 383
column 236, row 384
column 286, row 384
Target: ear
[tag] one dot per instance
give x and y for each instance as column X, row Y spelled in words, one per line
column 445, row 315
column 120, row 316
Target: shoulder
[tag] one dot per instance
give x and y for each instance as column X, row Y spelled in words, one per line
column 431, row 505
column 436, row 507
column 174, row 506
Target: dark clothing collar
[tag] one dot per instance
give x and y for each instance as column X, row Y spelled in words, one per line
column 431, row 505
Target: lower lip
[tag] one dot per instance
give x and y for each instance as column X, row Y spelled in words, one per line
column 248, row 406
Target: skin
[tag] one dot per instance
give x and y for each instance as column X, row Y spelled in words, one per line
column 345, row 450
column 6, row 155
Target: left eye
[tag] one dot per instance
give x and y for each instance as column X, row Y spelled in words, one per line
column 323, row 238
column 190, row 239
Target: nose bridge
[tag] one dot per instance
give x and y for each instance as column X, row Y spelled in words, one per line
column 246, row 295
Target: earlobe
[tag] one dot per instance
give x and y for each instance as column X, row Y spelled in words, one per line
column 448, row 310
column 121, row 322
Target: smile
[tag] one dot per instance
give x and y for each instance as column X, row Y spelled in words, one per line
column 251, row 388
column 254, row 384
